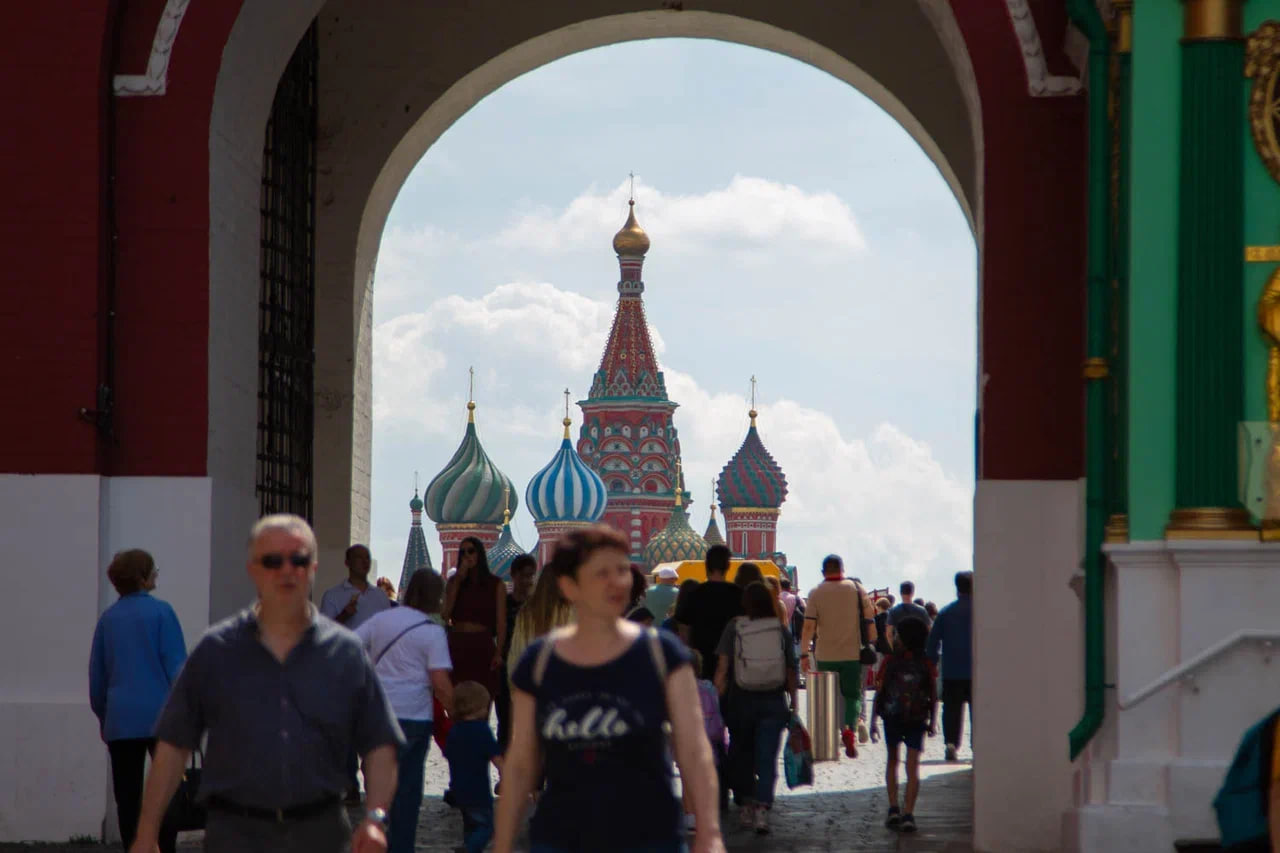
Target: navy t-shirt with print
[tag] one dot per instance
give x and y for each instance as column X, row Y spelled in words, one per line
column 600, row 728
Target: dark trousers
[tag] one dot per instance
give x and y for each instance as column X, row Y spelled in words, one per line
column 329, row 832
column 956, row 693
column 502, row 707
column 128, row 763
column 408, row 799
column 477, row 827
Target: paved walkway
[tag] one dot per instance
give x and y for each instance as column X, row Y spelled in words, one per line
column 843, row 811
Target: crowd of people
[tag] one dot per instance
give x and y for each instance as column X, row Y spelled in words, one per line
column 602, row 684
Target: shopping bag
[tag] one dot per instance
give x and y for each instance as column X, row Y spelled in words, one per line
column 797, row 755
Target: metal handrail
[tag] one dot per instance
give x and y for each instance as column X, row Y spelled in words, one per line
column 1185, row 668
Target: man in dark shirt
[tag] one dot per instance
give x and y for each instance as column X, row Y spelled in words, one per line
column 908, row 609
column 707, row 608
column 282, row 692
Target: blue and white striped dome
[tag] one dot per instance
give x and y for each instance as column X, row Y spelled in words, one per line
column 566, row 489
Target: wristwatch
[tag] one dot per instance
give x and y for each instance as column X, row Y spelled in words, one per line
column 380, row 817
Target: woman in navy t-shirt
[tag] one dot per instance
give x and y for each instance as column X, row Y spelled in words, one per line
column 590, row 699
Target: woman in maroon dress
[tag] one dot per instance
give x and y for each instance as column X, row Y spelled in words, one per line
column 476, row 611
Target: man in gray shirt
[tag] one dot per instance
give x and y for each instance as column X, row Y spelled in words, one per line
column 282, row 692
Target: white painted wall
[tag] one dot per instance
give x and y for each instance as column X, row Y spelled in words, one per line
column 1028, row 658
column 1149, row 778
column 58, row 536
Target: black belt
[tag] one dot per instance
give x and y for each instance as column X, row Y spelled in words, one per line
column 300, row 812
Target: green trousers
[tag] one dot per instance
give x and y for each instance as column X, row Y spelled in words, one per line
column 850, row 672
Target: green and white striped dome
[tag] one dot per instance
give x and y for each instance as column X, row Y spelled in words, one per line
column 470, row 489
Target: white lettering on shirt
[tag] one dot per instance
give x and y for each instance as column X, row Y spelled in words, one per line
column 597, row 723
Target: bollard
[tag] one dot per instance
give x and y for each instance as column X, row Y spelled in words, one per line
column 822, row 690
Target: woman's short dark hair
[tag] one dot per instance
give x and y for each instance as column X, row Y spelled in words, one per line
column 130, row 570
column 639, row 584
column 687, row 586
column 522, row 562
column 576, row 547
column 748, row 573
column 757, row 602
column 424, row 591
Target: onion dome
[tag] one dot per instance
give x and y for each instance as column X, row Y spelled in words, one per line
column 712, row 536
column 566, row 489
column 470, row 488
column 415, row 505
column 752, row 478
column 677, row 541
column 504, row 551
column 631, row 240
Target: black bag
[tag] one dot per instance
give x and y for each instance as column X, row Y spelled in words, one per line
column 184, row 813
column 867, row 655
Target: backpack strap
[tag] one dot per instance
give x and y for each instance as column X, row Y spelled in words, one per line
column 541, row 661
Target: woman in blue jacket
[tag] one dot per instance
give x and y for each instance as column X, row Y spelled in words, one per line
column 137, row 652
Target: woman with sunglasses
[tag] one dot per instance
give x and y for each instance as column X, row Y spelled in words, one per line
column 475, row 609
column 589, row 703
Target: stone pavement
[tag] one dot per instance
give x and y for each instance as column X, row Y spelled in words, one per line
column 843, row 811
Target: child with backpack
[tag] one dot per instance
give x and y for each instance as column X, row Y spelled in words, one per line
column 907, row 701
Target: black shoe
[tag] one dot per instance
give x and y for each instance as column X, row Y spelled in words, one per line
column 895, row 817
column 908, row 823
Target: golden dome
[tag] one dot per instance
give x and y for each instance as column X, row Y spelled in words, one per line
column 631, row 240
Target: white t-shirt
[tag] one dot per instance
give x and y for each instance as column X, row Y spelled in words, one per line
column 404, row 669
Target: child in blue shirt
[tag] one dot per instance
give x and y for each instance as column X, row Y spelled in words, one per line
column 470, row 749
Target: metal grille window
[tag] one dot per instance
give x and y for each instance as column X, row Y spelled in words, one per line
column 286, row 305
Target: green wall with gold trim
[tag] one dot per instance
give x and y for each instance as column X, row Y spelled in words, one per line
column 1153, row 264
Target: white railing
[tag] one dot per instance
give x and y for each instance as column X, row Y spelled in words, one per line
column 1185, row 669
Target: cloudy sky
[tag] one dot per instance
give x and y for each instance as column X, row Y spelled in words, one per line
column 798, row 235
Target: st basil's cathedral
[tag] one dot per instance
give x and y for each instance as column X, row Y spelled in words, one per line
column 624, row 470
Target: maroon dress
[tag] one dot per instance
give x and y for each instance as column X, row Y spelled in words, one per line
column 472, row 651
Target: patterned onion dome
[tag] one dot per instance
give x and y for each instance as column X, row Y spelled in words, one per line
column 415, row 505
column 675, row 542
column 566, row 489
column 713, row 535
column 503, row 553
column 470, row 488
column 752, row 478
column 631, row 240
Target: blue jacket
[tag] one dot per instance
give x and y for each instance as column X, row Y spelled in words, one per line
column 137, row 652
column 953, row 631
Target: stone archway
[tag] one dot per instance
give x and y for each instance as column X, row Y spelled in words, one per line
column 379, row 117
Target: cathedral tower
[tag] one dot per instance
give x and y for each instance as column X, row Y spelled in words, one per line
column 752, row 488
column 627, row 434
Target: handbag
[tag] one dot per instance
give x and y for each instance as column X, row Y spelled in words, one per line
column 184, row 813
column 797, row 755
column 867, row 654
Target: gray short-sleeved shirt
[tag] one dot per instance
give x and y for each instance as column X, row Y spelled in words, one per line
column 279, row 734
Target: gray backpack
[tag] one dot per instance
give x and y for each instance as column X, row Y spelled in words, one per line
column 759, row 662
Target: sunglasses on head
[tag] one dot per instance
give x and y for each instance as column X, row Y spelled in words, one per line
column 298, row 559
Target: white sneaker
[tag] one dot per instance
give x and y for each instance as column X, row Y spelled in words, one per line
column 762, row 820
column 862, row 732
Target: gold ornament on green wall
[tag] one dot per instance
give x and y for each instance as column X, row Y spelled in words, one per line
column 1262, row 65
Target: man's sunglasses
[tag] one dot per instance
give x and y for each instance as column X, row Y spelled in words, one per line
column 298, row 560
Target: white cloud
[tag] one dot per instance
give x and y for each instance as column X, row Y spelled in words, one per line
column 749, row 213
column 881, row 500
